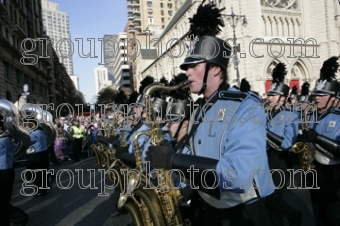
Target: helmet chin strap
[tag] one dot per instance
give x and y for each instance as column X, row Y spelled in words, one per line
column 327, row 104
column 204, row 84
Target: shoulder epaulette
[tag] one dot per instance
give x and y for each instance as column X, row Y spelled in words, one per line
column 335, row 111
column 232, row 95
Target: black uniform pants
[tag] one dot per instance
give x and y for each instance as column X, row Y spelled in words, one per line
column 38, row 161
column 8, row 213
column 6, row 181
column 277, row 208
column 253, row 214
column 77, row 148
column 326, row 200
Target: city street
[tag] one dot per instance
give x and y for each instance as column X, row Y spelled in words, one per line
column 74, row 206
column 84, row 207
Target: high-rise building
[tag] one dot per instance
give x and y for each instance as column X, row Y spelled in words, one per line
column 121, row 65
column 75, row 80
column 21, row 20
column 57, row 27
column 109, row 49
column 101, row 78
column 149, row 15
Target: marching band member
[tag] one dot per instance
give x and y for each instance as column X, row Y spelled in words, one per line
column 305, row 97
column 232, row 147
column 37, row 153
column 8, row 212
column 178, row 112
column 282, row 131
column 325, row 137
column 337, row 100
column 293, row 98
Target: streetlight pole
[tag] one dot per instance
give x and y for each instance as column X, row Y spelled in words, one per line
column 233, row 19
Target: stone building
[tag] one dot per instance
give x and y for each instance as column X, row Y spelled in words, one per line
column 300, row 33
column 27, row 57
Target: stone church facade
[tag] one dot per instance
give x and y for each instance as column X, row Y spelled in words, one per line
column 300, row 33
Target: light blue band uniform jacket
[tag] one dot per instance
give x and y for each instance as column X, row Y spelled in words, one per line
column 285, row 124
column 127, row 132
column 38, row 140
column 144, row 141
column 327, row 125
column 7, row 150
column 141, row 140
column 233, row 132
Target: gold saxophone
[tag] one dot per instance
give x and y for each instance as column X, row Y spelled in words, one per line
column 168, row 196
column 162, row 200
column 303, row 149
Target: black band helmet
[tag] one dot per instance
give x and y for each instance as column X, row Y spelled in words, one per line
column 338, row 93
column 278, row 87
column 327, row 83
column 204, row 46
column 178, row 110
column 208, row 49
column 159, row 106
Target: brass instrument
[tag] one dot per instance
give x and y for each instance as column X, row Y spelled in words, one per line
column 12, row 127
column 122, row 137
column 303, row 149
column 163, row 198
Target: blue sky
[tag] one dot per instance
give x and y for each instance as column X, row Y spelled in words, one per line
column 92, row 19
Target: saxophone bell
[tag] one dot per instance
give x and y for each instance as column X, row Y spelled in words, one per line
column 303, row 149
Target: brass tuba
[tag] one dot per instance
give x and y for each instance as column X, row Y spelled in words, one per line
column 12, row 127
column 302, row 149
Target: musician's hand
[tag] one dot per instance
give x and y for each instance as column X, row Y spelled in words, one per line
column 186, row 194
column 120, row 151
column 116, row 143
column 160, row 156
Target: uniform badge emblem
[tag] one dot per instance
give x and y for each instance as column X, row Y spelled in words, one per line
column 272, row 87
column 320, row 85
column 221, row 114
column 282, row 117
column 332, row 124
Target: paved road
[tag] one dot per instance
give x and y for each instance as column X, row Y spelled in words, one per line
column 85, row 207
column 74, row 206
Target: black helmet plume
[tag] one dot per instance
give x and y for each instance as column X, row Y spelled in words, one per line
column 133, row 97
column 245, row 86
column 279, row 73
column 305, row 89
column 206, row 21
column 121, row 102
column 294, row 93
column 305, row 97
column 180, row 94
column 329, row 68
column 327, row 84
column 180, row 100
column 148, row 80
column 162, row 93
